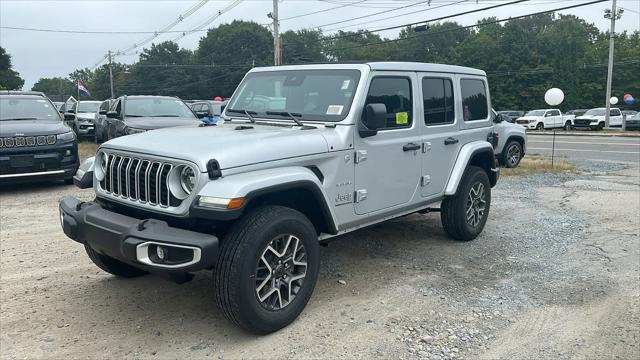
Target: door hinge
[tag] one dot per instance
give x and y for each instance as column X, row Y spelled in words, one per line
column 361, row 195
column 426, row 147
column 361, row 156
column 425, row 180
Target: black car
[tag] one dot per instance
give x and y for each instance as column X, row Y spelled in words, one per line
column 35, row 142
column 136, row 114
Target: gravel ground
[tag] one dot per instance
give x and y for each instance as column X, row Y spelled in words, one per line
column 554, row 275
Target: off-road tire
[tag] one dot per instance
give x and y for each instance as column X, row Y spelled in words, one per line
column 506, row 155
column 453, row 208
column 113, row 266
column 234, row 277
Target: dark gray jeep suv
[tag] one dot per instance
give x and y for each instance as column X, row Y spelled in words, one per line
column 35, row 143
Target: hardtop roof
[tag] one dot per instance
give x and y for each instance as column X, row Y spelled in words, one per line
column 381, row 66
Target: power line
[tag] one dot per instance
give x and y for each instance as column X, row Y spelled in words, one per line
column 466, row 27
column 374, row 14
column 208, row 21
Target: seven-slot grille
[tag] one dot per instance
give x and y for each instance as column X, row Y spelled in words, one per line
column 143, row 180
column 21, row 141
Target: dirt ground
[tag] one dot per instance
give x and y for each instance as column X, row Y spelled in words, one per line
column 554, row 275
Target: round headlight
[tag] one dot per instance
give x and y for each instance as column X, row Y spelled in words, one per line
column 187, row 179
column 100, row 165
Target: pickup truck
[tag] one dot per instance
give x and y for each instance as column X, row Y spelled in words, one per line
column 545, row 119
column 594, row 119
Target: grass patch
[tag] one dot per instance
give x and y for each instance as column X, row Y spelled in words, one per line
column 537, row 164
column 87, row 149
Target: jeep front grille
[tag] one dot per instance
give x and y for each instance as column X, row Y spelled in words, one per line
column 143, row 180
column 22, row 141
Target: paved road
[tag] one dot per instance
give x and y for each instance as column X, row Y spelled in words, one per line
column 587, row 147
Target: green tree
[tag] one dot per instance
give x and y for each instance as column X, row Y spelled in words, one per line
column 55, row 86
column 232, row 49
column 9, row 78
column 358, row 45
column 302, row 46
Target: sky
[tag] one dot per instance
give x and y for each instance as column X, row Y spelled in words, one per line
column 45, row 54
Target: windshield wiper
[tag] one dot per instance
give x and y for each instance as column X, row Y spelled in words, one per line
column 25, row 118
column 249, row 113
column 292, row 116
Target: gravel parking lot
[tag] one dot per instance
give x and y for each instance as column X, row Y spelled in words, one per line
column 554, row 275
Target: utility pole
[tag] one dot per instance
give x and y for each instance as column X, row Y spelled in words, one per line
column 276, row 34
column 111, row 74
column 613, row 14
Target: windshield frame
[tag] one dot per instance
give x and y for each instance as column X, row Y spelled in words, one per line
column 128, row 101
column 353, row 74
column 55, row 115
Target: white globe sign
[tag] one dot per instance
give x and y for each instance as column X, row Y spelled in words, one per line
column 613, row 100
column 554, row 97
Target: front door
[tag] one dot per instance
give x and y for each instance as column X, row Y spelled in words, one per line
column 441, row 135
column 388, row 164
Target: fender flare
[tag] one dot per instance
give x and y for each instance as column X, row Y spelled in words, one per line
column 467, row 152
column 84, row 175
column 251, row 185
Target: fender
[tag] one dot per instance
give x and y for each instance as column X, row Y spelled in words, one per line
column 84, row 176
column 257, row 183
column 464, row 156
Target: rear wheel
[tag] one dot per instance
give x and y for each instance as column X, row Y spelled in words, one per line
column 512, row 154
column 267, row 269
column 567, row 126
column 113, row 266
column 464, row 214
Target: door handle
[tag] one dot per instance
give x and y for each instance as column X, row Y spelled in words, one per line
column 450, row 141
column 411, row 147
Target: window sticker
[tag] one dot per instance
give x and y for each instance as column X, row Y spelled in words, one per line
column 402, row 118
column 335, row 110
column 345, row 85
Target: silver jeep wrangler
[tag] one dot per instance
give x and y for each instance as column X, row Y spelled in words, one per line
column 301, row 154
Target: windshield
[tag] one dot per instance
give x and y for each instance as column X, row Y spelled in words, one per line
column 595, row 112
column 16, row 108
column 157, row 107
column 535, row 113
column 320, row 95
column 88, row 107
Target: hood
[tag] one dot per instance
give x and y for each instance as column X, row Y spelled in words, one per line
column 151, row 123
column 87, row 116
column 529, row 118
column 586, row 117
column 32, row 127
column 230, row 147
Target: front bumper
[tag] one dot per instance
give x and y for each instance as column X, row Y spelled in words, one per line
column 134, row 241
column 85, row 128
column 50, row 162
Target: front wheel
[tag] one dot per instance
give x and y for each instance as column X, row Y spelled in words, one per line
column 464, row 214
column 512, row 154
column 267, row 269
column 540, row 126
column 600, row 126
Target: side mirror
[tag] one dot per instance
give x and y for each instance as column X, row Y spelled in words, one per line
column 375, row 117
column 112, row 114
column 102, row 112
column 69, row 116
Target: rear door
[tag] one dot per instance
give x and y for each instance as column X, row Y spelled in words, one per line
column 440, row 135
column 388, row 165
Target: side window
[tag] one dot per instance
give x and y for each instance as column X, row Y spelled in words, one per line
column 196, row 107
column 555, row 113
column 395, row 94
column 437, row 96
column 104, row 106
column 614, row 112
column 117, row 107
column 474, row 99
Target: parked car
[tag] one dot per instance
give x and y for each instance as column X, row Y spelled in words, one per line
column 633, row 123
column 35, row 143
column 208, row 108
column 545, row 119
column 305, row 153
column 85, row 113
column 511, row 115
column 512, row 141
column 100, row 120
column 137, row 114
column 594, row 119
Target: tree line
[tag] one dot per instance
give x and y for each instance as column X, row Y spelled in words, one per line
column 522, row 57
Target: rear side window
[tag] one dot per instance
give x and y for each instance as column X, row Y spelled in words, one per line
column 474, row 99
column 395, row 94
column 437, row 96
column 554, row 112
